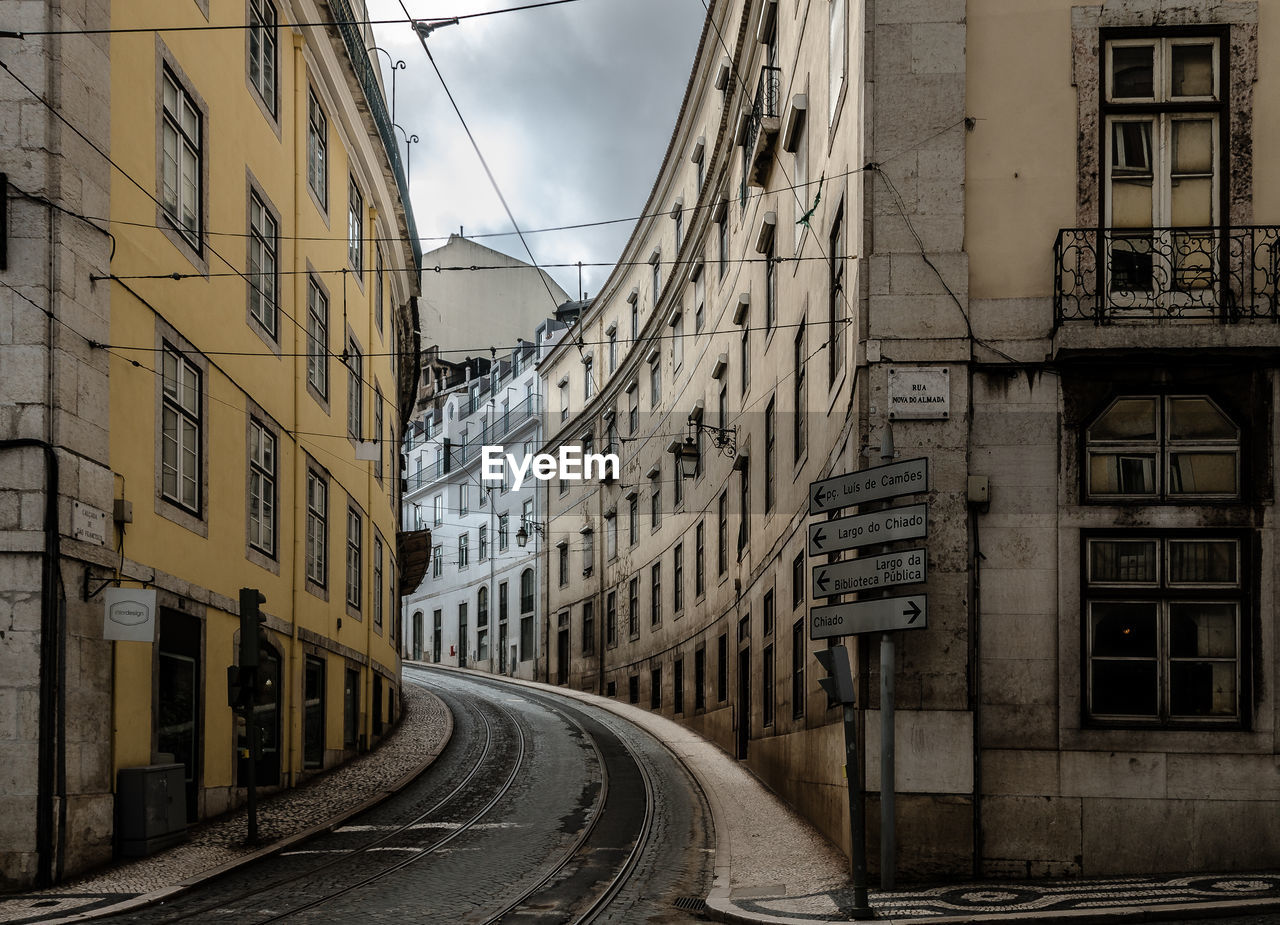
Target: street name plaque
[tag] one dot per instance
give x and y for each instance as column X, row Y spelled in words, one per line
column 887, row 614
column 871, row 572
column 897, row 523
column 876, row 484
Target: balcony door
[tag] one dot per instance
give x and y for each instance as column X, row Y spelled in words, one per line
column 1162, row 240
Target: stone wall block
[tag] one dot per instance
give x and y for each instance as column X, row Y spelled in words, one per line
column 1224, row 777
column 920, row 11
column 1024, row 828
column 937, row 47
column 1113, row 774
column 1019, row 772
column 1029, row 636
column 1020, row 681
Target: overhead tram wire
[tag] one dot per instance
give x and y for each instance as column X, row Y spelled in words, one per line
column 210, row 27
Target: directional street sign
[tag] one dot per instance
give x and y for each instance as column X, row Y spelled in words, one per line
column 890, row 613
column 893, row 568
column 876, row 484
column 897, row 523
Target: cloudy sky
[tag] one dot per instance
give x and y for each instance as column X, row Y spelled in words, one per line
column 572, row 106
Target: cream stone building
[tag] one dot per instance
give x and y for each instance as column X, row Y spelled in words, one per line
column 1052, row 219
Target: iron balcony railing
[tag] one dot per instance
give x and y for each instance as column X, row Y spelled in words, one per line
column 1219, row 274
column 765, row 105
column 363, row 66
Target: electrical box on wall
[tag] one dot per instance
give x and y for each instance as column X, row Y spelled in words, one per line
column 979, row 489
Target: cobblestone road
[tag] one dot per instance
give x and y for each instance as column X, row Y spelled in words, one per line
column 537, row 812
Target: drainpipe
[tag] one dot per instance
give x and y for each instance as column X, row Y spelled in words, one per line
column 51, row 753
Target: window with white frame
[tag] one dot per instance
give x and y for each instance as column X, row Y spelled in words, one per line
column 437, row 510
column 1162, row 446
column 1163, row 111
column 837, row 52
column 588, row 379
column 355, row 391
column 613, row 349
column 463, row 559
column 564, row 399
column 379, row 288
column 262, row 488
column 377, row 581
column 317, row 338
column 182, row 186
column 317, row 527
column 355, row 526
column 263, row 57
column 657, row 278
column 263, row 265
column 504, row 522
column 355, row 227
column 483, row 544
column 377, row 432
column 317, row 150
column 655, row 382
column 677, row 341
column 437, row 561
column 1163, row 626
column 181, row 424
column 463, row 491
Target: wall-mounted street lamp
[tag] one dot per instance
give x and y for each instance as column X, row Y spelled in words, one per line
column 526, row 527
column 724, row 439
column 395, row 66
column 408, row 140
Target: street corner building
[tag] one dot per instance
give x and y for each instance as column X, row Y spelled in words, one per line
column 209, row 350
column 1031, row 241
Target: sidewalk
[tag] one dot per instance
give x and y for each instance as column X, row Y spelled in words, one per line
column 284, row 818
column 771, row 865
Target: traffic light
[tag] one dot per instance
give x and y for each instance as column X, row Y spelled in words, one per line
column 235, row 685
column 251, row 630
column 839, row 680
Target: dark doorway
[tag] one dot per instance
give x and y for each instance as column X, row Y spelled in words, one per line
column 562, row 657
column 417, row 636
column 266, row 718
column 462, row 635
column 178, row 708
column 435, row 637
column 502, row 647
column 377, row 704
column 742, row 713
column 313, row 713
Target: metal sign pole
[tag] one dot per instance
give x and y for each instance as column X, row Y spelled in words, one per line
column 888, row 776
column 857, row 816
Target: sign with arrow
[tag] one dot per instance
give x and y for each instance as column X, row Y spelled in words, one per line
column 897, row 523
column 894, row 568
column 889, row 613
column 875, row 484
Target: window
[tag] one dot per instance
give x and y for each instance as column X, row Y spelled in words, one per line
column 633, row 601
column 262, row 51
column 317, row 150
column 677, row 686
column 770, row 288
column 611, row 618
column 700, row 679
column 655, row 688
column 262, row 488
column 377, row 432
column 655, row 382
column 837, row 51
column 797, row 581
column 437, row 561
column 635, row 321
column 722, row 532
column 766, row 685
column 699, row 570
column 263, row 267
column 677, row 342
column 613, row 350
column 770, row 454
column 354, row 526
column 699, row 303
column 1163, row 627
column 746, row 358
column 722, row 667
column 526, row 591
column 377, row 581
column 1161, row 132
column 678, row 217
column 588, row 628
column 799, row 651
column 317, row 338
column 463, row 540
column 769, row 612
column 355, row 396
column 1170, row 446
column 722, row 244
column 800, row 395
column 588, row 551
column 484, row 542
column 835, row 305
column 564, row 399
column 462, row 499
column 355, row 227
column 378, row 288
column 655, row 604
column 677, row 579
column 502, row 602
column 744, row 505
column 563, row 551
column 588, row 380
column 437, row 510
column 800, row 179
column 182, row 182
column 633, row 409
column 633, row 519
column 657, row 278
column 504, row 522
column 655, row 503
column 181, row 423
column 611, row 536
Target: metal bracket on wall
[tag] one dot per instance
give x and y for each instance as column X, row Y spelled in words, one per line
column 88, row 595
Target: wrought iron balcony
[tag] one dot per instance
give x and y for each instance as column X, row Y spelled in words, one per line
column 1216, row 274
column 762, row 129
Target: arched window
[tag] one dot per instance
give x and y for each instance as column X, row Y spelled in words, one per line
column 526, row 591
column 1162, row 446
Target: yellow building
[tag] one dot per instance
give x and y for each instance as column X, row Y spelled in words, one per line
column 236, row 360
